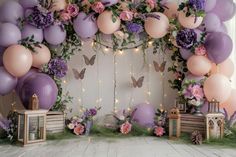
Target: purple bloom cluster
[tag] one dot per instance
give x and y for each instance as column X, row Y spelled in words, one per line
column 57, row 67
column 134, row 27
column 197, row 4
column 40, row 17
column 4, row 124
column 90, row 113
column 186, row 38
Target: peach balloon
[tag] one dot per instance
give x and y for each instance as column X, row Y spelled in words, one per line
column 172, row 10
column 225, row 68
column 230, row 104
column 190, row 22
column 157, row 28
column 41, row 56
column 17, row 60
column 199, row 65
column 105, row 23
column 217, row 87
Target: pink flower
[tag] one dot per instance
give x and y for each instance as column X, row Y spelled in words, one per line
column 159, row 131
column 200, row 50
column 125, row 128
column 79, row 129
column 64, row 16
column 98, row 7
column 72, row 10
column 197, row 92
column 151, row 3
column 126, row 15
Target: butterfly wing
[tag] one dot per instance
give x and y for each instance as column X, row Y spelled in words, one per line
column 134, row 82
column 92, row 60
column 163, row 66
column 81, row 74
column 140, row 82
column 156, row 66
column 86, row 60
column 76, row 73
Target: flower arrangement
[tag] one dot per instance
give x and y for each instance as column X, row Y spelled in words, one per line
column 193, row 7
column 160, row 122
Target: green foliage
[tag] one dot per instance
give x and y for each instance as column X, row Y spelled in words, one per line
column 30, row 43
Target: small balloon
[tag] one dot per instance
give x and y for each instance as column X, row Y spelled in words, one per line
column 190, row 22
column 9, row 34
column 55, row 34
column 186, row 54
column 28, row 31
column 41, row 56
column 8, row 82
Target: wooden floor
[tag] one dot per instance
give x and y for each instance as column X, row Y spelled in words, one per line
column 125, row 147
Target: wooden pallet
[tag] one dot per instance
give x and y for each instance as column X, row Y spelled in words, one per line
column 55, row 122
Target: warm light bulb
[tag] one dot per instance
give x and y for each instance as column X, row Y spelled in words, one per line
column 128, row 109
column 117, row 101
column 79, row 100
column 149, row 93
column 150, row 43
column 121, row 52
column 106, row 49
column 64, row 82
column 83, row 90
column 136, row 49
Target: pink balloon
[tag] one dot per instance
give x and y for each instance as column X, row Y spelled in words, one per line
column 217, row 87
column 41, row 56
column 189, row 22
column 17, row 60
column 172, row 10
column 199, row 65
column 230, row 105
column 225, row 68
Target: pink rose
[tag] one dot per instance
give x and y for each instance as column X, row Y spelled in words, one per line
column 79, row 129
column 159, row 131
column 200, row 50
column 197, row 92
column 98, row 7
column 151, row 3
column 126, row 15
column 65, row 16
column 72, row 10
column 125, row 128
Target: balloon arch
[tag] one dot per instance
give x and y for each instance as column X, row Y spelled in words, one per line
column 193, row 30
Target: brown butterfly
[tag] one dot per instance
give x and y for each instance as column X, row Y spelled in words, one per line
column 79, row 75
column 159, row 67
column 89, row 61
column 137, row 83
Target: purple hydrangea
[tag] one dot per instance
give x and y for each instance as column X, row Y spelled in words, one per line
column 197, row 4
column 57, row 67
column 93, row 111
column 4, row 124
column 186, row 38
column 40, row 17
column 134, row 28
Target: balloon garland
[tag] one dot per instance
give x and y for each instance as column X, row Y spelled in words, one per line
column 194, row 30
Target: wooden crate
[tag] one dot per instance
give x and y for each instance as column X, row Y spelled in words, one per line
column 55, row 122
column 190, row 123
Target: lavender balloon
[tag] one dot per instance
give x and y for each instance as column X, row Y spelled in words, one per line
column 186, row 54
column 29, row 30
column 144, row 115
column 43, row 86
column 29, row 3
column 223, row 28
column 108, row 3
column 85, row 25
column 210, row 4
column 9, row 34
column 8, row 82
column 55, row 34
column 219, row 47
column 11, row 11
column 212, row 22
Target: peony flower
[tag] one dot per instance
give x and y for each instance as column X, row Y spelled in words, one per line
column 126, row 15
column 151, row 3
column 187, row 92
column 198, row 5
column 197, row 92
column 79, row 129
column 71, row 126
column 200, row 50
column 125, row 128
column 72, row 10
column 194, row 102
column 186, row 38
column 159, row 131
column 64, row 16
column 57, row 67
column 98, row 7
column 93, row 111
column 134, row 27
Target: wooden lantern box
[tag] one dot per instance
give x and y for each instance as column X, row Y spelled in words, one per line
column 55, row 122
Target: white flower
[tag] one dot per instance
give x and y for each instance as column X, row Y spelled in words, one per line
column 71, row 126
column 121, row 35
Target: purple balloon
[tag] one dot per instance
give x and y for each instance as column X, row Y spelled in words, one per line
column 29, row 3
column 219, row 47
column 144, row 115
column 211, row 22
column 224, row 9
column 210, row 4
column 186, row 54
column 109, row 2
column 55, row 34
column 9, row 34
column 1, row 55
column 85, row 25
column 29, row 30
column 223, row 28
column 8, row 82
column 43, row 86
column 11, row 11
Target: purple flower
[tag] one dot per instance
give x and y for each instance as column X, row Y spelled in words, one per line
column 40, row 17
column 186, row 38
column 93, row 111
column 197, row 5
column 57, row 67
column 4, row 124
column 134, row 27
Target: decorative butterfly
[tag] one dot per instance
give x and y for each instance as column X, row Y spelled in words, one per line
column 137, row 83
column 89, row 61
column 79, row 75
column 159, row 67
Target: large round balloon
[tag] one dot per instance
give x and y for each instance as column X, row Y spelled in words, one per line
column 185, row 54
column 85, row 25
column 217, row 87
column 225, row 9
column 11, row 11
column 157, row 28
column 9, row 34
column 225, row 68
column 17, row 60
column 109, row 2
column 8, row 82
column 190, row 22
column 230, row 104
column 171, row 10
column 219, row 47
column 29, row 3
column 144, row 115
column 199, row 65
column 105, row 23
column 41, row 56
column 210, row 4
column 211, row 22
column 222, row 28
column 29, row 31
column 54, row 34
column 43, row 86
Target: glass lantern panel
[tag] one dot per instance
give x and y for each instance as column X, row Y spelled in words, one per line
column 21, row 127
column 36, row 128
column 174, row 127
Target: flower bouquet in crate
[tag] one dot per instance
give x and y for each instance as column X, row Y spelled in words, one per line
column 160, row 122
